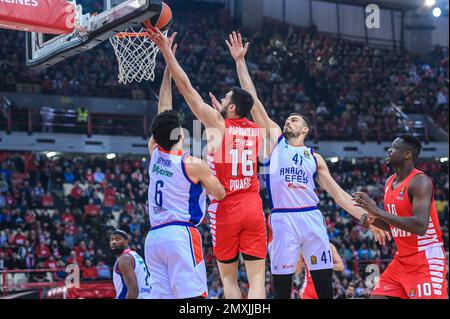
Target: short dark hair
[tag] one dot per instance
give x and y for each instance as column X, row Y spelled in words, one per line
column 308, row 123
column 413, row 144
column 243, row 101
column 121, row 233
column 162, row 127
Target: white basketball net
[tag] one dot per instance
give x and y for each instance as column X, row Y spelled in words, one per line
column 136, row 55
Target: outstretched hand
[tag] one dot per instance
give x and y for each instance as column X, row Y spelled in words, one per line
column 164, row 43
column 215, row 103
column 237, row 49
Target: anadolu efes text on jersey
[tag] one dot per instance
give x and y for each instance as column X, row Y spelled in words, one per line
column 397, row 202
column 172, row 196
column 290, row 174
column 142, row 276
column 235, row 163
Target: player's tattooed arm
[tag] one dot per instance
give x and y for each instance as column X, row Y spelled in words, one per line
column 165, row 92
column 238, row 51
column 125, row 265
column 209, row 116
column 421, row 192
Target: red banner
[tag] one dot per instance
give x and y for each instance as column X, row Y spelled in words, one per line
column 46, row 16
column 92, row 291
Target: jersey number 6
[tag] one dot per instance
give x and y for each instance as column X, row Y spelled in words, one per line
column 158, row 193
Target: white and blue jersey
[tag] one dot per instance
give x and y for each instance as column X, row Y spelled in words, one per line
column 142, row 276
column 290, row 178
column 173, row 248
column 173, row 197
column 296, row 225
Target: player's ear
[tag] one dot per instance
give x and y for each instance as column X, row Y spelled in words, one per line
column 408, row 155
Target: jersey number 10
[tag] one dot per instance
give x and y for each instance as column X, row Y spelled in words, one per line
column 392, row 209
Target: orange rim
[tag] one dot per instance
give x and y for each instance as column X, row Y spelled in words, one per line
column 131, row 34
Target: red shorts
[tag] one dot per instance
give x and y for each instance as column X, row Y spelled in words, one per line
column 418, row 276
column 308, row 291
column 238, row 225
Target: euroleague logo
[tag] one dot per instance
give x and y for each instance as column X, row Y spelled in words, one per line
column 401, row 195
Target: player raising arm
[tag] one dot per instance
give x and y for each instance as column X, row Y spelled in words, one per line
column 274, row 133
column 238, row 222
column 177, row 204
column 292, row 169
column 210, row 117
column 165, row 91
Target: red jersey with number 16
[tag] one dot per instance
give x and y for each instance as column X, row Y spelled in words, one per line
column 235, row 163
column 396, row 201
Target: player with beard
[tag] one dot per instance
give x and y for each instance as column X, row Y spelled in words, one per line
column 238, row 221
column 130, row 276
column 296, row 223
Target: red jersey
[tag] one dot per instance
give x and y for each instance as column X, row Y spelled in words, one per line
column 235, row 163
column 396, row 201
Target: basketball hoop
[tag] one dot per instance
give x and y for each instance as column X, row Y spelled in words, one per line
column 136, row 55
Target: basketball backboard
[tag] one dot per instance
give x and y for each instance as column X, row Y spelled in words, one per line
column 91, row 29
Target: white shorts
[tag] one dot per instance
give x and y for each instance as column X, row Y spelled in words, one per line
column 174, row 257
column 292, row 234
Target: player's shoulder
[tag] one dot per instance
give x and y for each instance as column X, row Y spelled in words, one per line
column 189, row 159
column 251, row 123
column 125, row 259
column 389, row 179
column 420, row 180
column 315, row 155
column 195, row 166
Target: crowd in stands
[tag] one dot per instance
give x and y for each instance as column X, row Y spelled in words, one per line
column 59, row 211
column 348, row 87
